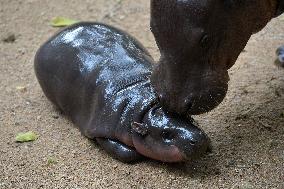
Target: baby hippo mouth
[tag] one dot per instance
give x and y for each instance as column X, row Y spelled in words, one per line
column 170, row 139
column 168, row 154
column 171, row 153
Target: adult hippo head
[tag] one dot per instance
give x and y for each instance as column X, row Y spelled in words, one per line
column 199, row 41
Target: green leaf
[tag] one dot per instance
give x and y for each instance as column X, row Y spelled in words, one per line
column 61, row 22
column 26, row 137
column 51, row 160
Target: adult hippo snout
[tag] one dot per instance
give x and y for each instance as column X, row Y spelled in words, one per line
column 199, row 93
column 199, row 40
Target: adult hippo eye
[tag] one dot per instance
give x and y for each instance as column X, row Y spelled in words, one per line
column 167, row 135
column 205, row 41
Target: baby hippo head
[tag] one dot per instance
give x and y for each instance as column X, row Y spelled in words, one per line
column 169, row 138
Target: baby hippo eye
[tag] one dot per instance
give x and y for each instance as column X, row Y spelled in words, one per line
column 167, row 135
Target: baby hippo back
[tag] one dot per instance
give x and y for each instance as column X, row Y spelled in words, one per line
column 97, row 75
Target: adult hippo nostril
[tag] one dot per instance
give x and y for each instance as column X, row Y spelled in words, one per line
column 188, row 105
column 205, row 41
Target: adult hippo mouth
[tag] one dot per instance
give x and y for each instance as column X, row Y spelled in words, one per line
column 199, row 40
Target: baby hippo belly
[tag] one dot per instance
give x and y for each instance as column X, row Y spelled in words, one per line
column 99, row 77
column 112, row 117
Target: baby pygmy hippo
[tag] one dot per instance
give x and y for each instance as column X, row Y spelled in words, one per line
column 99, row 76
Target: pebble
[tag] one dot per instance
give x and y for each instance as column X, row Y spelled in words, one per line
column 55, row 116
column 9, row 38
column 22, row 88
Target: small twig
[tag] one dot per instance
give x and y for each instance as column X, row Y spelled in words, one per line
column 265, row 125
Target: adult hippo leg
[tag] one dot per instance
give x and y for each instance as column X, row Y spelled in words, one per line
column 119, row 151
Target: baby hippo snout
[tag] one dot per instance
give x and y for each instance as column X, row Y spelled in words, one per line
column 193, row 142
column 169, row 138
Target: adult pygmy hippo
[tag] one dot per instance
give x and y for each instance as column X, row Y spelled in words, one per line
column 199, row 41
column 99, row 77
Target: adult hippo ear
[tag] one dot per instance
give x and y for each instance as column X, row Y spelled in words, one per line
column 280, row 8
column 140, row 128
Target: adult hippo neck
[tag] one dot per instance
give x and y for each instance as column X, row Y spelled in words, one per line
column 199, row 41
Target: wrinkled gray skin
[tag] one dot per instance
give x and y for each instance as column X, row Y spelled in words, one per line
column 99, row 77
column 199, row 41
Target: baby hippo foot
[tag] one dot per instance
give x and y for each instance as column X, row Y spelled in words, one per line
column 280, row 56
column 119, row 151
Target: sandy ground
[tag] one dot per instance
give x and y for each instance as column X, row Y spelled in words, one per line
column 247, row 129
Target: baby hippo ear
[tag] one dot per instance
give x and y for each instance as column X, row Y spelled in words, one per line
column 140, row 128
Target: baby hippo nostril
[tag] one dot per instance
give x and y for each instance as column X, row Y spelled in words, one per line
column 192, row 142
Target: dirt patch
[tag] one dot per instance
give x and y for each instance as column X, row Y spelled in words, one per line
column 247, row 129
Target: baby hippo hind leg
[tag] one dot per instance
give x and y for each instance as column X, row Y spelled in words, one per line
column 119, row 151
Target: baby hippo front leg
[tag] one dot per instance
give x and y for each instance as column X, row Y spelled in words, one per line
column 119, row 151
